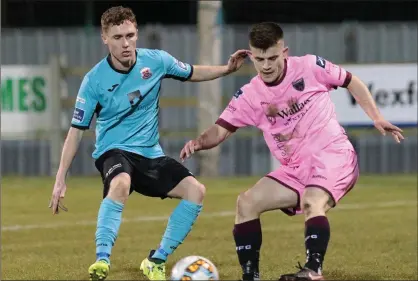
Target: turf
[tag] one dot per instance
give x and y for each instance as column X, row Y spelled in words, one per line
column 373, row 237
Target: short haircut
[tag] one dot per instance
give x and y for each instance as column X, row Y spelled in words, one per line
column 116, row 16
column 265, row 35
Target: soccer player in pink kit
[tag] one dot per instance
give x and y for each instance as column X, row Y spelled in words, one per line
column 289, row 101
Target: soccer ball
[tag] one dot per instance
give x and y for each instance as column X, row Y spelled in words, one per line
column 194, row 268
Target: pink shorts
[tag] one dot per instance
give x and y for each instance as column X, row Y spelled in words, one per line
column 332, row 170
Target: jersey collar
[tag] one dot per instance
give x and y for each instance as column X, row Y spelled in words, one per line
column 109, row 60
column 278, row 81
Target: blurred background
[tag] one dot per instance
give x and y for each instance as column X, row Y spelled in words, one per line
column 47, row 47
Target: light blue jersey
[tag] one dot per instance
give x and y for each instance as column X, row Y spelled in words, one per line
column 126, row 102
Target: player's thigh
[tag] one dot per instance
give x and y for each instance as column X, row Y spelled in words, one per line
column 266, row 195
column 291, row 180
column 115, row 170
column 165, row 177
column 180, row 182
column 334, row 173
column 188, row 188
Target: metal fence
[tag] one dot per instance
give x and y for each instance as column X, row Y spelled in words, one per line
column 241, row 155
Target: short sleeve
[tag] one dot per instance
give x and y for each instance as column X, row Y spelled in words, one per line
column 85, row 105
column 174, row 68
column 329, row 74
column 238, row 113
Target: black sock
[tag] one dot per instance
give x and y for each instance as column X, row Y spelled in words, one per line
column 317, row 234
column 248, row 239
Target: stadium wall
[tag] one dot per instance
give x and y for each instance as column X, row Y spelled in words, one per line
column 245, row 153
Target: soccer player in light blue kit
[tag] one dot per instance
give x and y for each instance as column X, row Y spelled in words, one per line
column 123, row 91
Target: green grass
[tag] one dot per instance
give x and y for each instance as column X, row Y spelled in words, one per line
column 373, row 237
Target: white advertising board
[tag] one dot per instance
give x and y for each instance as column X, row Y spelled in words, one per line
column 394, row 89
column 25, row 100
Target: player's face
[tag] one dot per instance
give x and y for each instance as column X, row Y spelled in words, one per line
column 121, row 40
column 269, row 63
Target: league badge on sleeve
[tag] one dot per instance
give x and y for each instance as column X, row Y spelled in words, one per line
column 78, row 115
column 320, row 61
column 238, row 93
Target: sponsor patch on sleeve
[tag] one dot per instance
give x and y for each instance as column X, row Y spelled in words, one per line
column 238, row 93
column 320, row 61
column 181, row 64
column 78, row 115
column 81, row 100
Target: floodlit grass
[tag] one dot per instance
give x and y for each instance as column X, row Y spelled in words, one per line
column 373, row 231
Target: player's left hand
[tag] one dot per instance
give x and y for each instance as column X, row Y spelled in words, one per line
column 384, row 126
column 236, row 60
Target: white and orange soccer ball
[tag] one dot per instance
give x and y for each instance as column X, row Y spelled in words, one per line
column 194, row 268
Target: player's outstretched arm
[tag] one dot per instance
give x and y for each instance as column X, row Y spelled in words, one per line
column 208, row 139
column 364, row 98
column 69, row 150
column 211, row 72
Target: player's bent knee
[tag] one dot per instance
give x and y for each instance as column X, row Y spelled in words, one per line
column 315, row 205
column 195, row 192
column 189, row 189
column 119, row 187
column 247, row 207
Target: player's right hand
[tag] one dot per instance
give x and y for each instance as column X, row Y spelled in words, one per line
column 189, row 148
column 57, row 198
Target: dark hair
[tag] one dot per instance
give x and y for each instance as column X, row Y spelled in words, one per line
column 265, row 35
column 116, row 16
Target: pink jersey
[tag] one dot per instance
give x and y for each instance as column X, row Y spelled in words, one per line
column 306, row 121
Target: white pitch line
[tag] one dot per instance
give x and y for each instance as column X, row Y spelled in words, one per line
column 21, row 227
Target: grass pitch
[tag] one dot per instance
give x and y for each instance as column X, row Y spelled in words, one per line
column 373, row 231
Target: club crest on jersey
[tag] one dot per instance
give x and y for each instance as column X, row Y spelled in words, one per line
column 299, row 84
column 146, row 73
column 181, row 64
column 320, row 61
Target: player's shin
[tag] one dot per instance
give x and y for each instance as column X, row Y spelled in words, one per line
column 179, row 225
column 248, row 240
column 317, row 235
column 108, row 223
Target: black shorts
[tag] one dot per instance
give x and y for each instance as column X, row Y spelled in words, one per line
column 149, row 177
